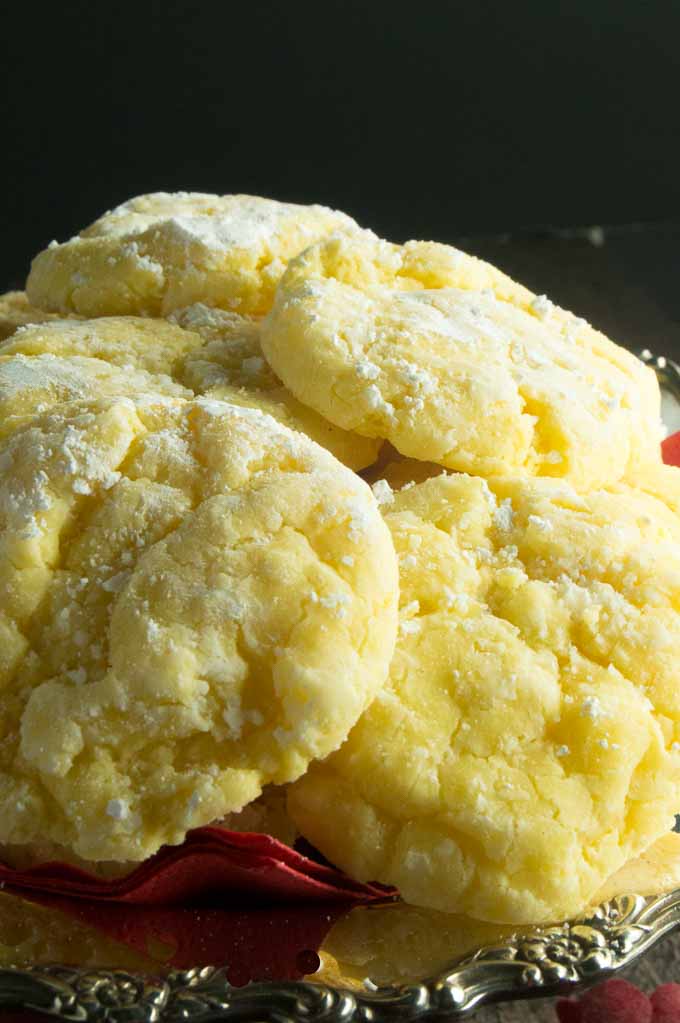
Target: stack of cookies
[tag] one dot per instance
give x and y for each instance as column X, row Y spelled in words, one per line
column 285, row 504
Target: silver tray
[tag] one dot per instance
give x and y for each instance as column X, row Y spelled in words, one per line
column 541, row 962
column 536, row 962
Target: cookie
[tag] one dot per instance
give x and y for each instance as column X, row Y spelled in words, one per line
column 527, row 743
column 195, row 603
column 30, row 385
column 164, row 251
column 662, row 482
column 454, row 363
column 396, row 943
column 209, row 351
column 401, row 472
column 267, row 814
column 16, row 311
column 131, row 342
column 230, row 366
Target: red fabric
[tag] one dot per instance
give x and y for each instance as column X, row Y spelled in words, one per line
column 666, row 1004
column 568, row 1011
column 245, row 901
column 239, row 868
column 670, row 449
column 265, row 943
column 614, row 1001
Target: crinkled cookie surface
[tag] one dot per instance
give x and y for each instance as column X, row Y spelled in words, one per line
column 231, row 366
column 196, row 602
column 398, row 943
column 266, row 814
column 527, row 743
column 164, row 251
column 30, row 385
column 203, row 351
column 130, row 342
column 16, row 311
column 451, row 361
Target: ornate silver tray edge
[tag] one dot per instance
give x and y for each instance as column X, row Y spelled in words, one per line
column 540, row 962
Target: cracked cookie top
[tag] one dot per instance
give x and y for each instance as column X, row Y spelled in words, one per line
column 196, row 602
column 16, row 311
column 454, row 363
column 231, row 366
column 527, row 742
column 31, row 385
column 203, row 351
column 163, row 251
column 130, row 342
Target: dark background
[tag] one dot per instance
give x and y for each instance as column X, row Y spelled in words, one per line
column 442, row 119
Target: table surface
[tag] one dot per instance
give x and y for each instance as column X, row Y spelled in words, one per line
column 658, row 967
column 626, row 281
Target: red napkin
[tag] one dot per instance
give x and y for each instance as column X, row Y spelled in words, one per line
column 234, row 867
column 619, row 1001
column 228, row 898
column 275, row 943
column 670, row 449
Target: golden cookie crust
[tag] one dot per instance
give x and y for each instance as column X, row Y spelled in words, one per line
column 398, row 943
column 452, row 362
column 164, row 251
column 267, row 814
column 401, row 472
column 16, row 311
column 130, row 342
column 196, row 602
column 202, row 351
column 527, row 743
column 30, row 385
column 231, row 366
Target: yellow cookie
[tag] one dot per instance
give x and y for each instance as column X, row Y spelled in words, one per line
column 16, row 311
column 130, row 342
column 208, row 350
column 453, row 363
column 267, row 815
column 527, row 743
column 30, row 385
column 195, row 602
column 230, row 366
column 160, row 252
column 402, row 472
column 397, row 943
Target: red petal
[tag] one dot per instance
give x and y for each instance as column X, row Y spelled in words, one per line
column 666, row 1004
column 568, row 1011
column 616, row 1001
column 235, row 867
column 225, row 898
column 275, row 943
column 670, row 449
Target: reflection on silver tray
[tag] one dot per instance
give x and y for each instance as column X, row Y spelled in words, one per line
column 542, row 961
column 538, row 962
column 667, row 371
